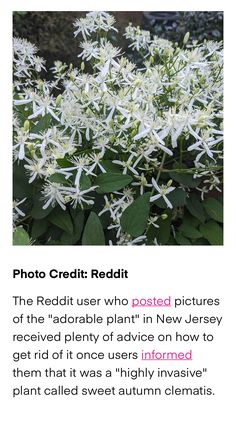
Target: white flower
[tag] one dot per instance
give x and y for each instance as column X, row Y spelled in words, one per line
column 150, row 130
column 84, row 26
column 173, row 125
column 35, row 168
column 23, row 48
column 92, row 22
column 90, row 50
column 39, row 64
column 152, row 221
column 96, row 160
column 78, row 196
column 102, row 144
column 108, row 207
column 205, row 145
column 22, row 139
column 140, row 38
column 126, row 239
column 107, row 54
column 16, row 210
column 127, row 165
column 163, row 190
column 80, row 165
column 42, row 107
column 142, row 183
column 52, row 193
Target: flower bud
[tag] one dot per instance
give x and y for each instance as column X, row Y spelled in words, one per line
column 72, row 151
column 26, row 125
column 40, row 85
column 169, row 183
column 58, row 100
column 164, row 216
column 30, row 146
column 82, row 66
column 133, row 133
column 186, row 37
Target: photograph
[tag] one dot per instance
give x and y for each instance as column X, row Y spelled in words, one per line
column 118, row 128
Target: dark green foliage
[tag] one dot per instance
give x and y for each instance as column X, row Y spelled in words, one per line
column 134, row 218
column 93, row 232
column 177, row 198
column 214, row 209
column 201, row 25
column 213, row 232
column 20, row 237
column 109, row 182
column 61, row 219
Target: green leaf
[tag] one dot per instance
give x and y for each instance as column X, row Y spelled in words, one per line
column 110, row 167
column 39, row 227
column 53, row 232
column 151, row 234
column 181, row 240
column 78, row 221
column 213, row 232
column 61, row 219
column 163, row 232
column 109, row 182
column 59, row 178
column 37, row 211
column 53, row 242
column 22, row 111
column 41, row 125
column 64, row 162
column 21, row 186
column 185, row 179
column 134, row 218
column 176, row 197
column 214, row 209
column 171, row 241
column 200, row 241
column 189, row 231
column 195, row 207
column 93, row 232
column 190, row 220
column 85, row 182
column 20, row 237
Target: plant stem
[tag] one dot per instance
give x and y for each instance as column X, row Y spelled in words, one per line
column 181, row 152
column 22, row 220
column 160, row 170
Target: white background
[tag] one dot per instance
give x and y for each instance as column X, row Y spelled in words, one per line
column 153, row 271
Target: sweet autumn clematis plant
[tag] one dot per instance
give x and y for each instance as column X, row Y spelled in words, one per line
column 115, row 153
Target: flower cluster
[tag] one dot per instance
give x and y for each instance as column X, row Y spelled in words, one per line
column 134, row 153
column 94, row 22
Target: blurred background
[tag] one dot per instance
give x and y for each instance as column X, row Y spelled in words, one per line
column 52, row 32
